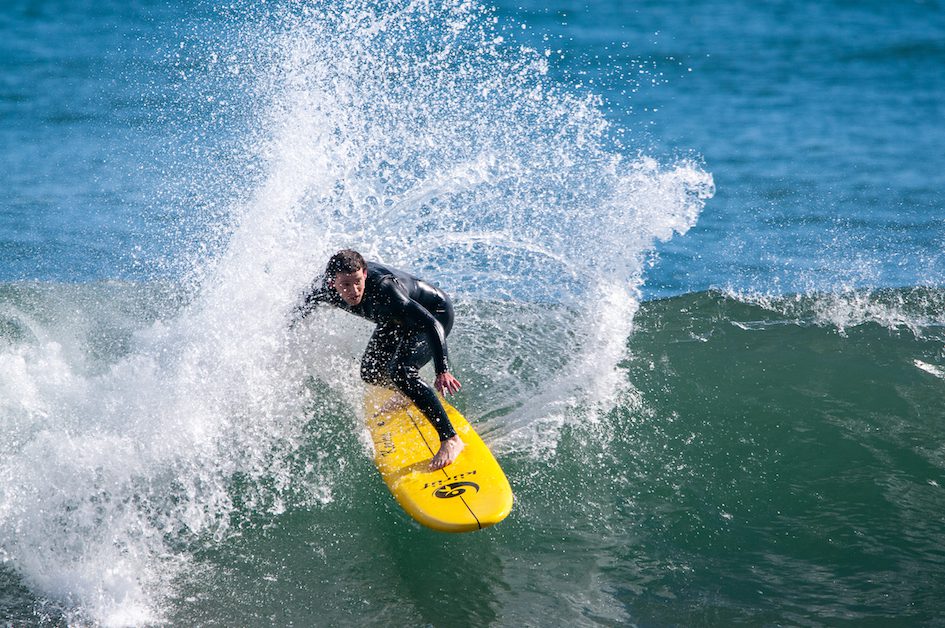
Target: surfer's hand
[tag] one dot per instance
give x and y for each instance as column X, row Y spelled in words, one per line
column 446, row 383
column 296, row 317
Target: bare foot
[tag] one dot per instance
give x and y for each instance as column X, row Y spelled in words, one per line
column 449, row 451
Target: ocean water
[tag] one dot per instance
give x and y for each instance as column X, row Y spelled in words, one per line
column 696, row 253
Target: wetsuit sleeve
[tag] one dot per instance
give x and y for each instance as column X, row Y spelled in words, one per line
column 318, row 293
column 415, row 316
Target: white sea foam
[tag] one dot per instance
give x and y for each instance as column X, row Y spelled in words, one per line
column 918, row 310
column 937, row 371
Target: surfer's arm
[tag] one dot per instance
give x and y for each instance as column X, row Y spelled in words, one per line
column 445, row 382
column 317, row 294
column 414, row 315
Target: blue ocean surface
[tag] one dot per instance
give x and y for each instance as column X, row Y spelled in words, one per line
column 696, row 251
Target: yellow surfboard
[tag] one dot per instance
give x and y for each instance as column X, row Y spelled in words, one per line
column 470, row 494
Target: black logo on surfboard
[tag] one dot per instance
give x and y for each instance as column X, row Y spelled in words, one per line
column 454, row 489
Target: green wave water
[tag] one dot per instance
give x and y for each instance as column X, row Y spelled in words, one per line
column 795, row 468
column 764, row 466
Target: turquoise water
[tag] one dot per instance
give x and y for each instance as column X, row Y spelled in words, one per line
column 696, row 253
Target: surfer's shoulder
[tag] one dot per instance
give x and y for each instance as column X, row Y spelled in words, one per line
column 384, row 278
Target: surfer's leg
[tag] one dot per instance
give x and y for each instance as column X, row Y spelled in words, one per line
column 378, row 357
column 393, row 360
column 376, row 365
column 413, row 352
column 407, row 379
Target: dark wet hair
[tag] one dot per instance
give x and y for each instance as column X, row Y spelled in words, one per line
column 344, row 261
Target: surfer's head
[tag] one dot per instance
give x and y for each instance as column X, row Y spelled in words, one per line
column 347, row 274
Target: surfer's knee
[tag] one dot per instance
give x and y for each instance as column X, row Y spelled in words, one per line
column 371, row 373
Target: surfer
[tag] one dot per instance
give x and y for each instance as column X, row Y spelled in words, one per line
column 413, row 319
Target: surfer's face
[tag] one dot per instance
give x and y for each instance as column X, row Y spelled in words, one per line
column 350, row 286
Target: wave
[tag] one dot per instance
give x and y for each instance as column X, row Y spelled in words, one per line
column 787, row 443
column 418, row 132
column 135, row 461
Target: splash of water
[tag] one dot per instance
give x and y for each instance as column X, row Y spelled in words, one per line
column 416, row 131
column 420, row 136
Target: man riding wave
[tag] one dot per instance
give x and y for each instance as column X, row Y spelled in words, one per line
column 413, row 319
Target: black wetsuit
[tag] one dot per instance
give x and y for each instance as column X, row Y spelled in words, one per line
column 413, row 319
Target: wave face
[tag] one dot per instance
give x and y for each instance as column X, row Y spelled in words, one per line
column 763, row 462
column 786, row 458
column 150, row 425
